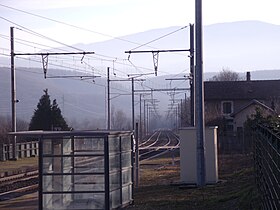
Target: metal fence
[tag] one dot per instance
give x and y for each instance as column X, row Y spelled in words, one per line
column 25, row 149
column 267, row 167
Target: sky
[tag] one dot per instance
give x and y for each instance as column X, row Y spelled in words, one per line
column 89, row 21
column 114, row 18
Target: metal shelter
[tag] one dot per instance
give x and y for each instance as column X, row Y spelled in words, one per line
column 84, row 169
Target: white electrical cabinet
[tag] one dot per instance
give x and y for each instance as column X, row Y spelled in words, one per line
column 188, row 155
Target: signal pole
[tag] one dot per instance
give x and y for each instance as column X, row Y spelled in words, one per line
column 132, row 102
column 199, row 97
column 192, row 80
column 13, row 94
column 108, row 99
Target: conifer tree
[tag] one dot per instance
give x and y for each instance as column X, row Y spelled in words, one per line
column 58, row 120
column 47, row 116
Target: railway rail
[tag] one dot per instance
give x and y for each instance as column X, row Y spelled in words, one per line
column 19, row 184
column 160, row 142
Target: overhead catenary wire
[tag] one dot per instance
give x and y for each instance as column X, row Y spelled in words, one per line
column 159, row 38
column 23, row 28
column 42, row 36
column 92, row 31
column 113, row 58
column 108, row 56
column 71, row 68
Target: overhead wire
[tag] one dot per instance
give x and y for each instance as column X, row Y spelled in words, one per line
column 70, row 25
column 22, row 28
column 42, row 36
column 34, row 33
column 88, row 30
column 159, row 38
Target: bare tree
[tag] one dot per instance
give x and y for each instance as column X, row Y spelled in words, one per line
column 119, row 120
column 226, row 75
column 6, row 127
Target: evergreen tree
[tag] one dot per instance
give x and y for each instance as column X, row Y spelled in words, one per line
column 58, row 120
column 47, row 116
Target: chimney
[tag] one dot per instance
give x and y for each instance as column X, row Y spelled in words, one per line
column 248, row 76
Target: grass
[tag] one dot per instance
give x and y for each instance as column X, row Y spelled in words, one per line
column 159, row 187
column 18, row 165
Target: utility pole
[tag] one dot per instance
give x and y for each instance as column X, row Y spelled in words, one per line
column 199, row 98
column 108, row 99
column 145, row 118
column 132, row 91
column 148, row 119
column 137, row 165
column 192, row 80
column 140, row 129
column 13, row 94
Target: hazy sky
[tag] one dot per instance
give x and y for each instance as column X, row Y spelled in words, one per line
column 122, row 17
column 89, row 21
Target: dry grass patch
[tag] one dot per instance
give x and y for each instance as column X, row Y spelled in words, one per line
column 18, row 165
column 158, row 188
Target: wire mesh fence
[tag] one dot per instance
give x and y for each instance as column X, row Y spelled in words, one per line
column 267, row 166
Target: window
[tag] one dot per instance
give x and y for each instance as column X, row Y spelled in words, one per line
column 227, row 107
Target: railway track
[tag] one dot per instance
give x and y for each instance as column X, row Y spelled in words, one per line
column 19, row 184
column 161, row 142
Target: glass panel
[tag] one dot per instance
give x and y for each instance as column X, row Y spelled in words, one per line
column 47, row 183
column 126, row 176
column 89, row 164
column 47, row 146
column 114, row 181
column 47, row 165
column 126, row 159
column 114, row 144
column 126, row 143
column 127, row 194
column 52, row 165
column 67, row 146
column 73, row 183
column 57, row 164
column 73, row 201
column 115, row 199
column 89, row 183
column 89, row 145
column 114, row 162
column 67, row 164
